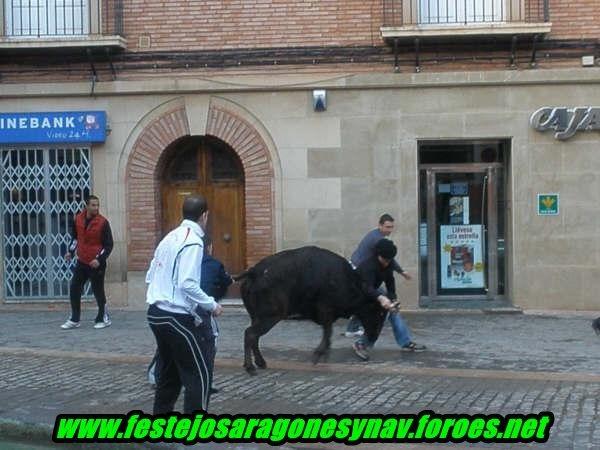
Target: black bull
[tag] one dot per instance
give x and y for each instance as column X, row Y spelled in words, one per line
column 305, row 283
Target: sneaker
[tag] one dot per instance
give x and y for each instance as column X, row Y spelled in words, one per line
column 105, row 323
column 350, row 334
column 412, row 347
column 361, row 351
column 596, row 326
column 69, row 325
column 151, row 374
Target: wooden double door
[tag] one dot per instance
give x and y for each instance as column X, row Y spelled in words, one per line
column 208, row 167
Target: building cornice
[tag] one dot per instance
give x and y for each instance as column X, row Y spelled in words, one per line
column 223, row 83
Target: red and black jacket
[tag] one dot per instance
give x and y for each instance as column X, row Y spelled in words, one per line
column 92, row 237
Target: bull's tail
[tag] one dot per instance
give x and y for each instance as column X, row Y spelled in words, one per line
column 250, row 273
column 248, row 297
column 241, row 276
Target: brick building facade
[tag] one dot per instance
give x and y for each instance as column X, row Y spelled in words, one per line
column 430, row 106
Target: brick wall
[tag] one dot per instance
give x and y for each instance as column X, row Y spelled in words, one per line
column 239, row 25
column 142, row 188
column 220, row 24
column 205, row 25
column 193, row 25
column 575, row 19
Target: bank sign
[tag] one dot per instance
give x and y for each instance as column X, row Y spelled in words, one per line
column 52, row 127
column 566, row 121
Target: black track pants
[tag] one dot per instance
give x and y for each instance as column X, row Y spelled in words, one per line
column 185, row 359
column 82, row 273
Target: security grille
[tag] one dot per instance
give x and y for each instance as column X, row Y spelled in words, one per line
column 42, row 190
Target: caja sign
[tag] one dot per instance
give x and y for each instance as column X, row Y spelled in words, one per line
column 566, row 121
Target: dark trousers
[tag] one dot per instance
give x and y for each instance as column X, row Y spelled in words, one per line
column 185, row 360
column 154, row 365
column 82, row 273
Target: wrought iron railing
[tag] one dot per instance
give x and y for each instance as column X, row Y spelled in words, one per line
column 62, row 18
column 397, row 13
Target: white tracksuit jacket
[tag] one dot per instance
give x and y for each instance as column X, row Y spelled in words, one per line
column 174, row 274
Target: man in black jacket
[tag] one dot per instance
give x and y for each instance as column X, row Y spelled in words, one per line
column 365, row 250
column 373, row 272
column 215, row 280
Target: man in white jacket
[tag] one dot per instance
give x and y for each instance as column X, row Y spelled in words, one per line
column 183, row 332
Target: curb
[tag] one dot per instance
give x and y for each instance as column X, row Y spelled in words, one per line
column 302, row 366
column 236, row 305
column 41, row 434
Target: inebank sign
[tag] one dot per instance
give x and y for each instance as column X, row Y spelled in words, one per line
column 53, row 127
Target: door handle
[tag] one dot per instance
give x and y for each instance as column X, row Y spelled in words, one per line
column 227, row 237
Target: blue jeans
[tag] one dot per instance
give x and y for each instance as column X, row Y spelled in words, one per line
column 353, row 324
column 399, row 327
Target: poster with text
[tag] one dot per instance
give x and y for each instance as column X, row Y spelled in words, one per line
column 461, row 259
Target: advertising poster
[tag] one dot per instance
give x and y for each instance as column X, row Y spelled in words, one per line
column 461, row 259
column 459, row 210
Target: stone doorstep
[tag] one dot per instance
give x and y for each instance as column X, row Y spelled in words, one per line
column 237, row 304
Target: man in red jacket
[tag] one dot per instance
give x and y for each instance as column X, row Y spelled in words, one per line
column 92, row 241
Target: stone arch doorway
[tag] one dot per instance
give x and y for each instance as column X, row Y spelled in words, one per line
column 207, row 166
column 164, row 127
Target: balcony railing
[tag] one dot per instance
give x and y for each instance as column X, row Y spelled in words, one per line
column 410, row 13
column 59, row 20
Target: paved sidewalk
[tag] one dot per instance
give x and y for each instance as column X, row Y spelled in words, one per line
column 476, row 363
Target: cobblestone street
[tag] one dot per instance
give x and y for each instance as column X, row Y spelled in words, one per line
column 467, row 369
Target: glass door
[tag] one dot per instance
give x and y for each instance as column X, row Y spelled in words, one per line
column 459, row 231
column 460, row 213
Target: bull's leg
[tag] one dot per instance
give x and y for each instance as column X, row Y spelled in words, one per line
column 262, row 329
column 251, row 338
column 323, row 349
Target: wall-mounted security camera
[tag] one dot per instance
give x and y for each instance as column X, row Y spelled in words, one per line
column 319, row 100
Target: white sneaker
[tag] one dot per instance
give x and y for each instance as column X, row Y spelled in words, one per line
column 105, row 323
column 357, row 333
column 69, row 325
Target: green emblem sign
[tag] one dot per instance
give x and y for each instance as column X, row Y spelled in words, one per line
column 547, row 204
